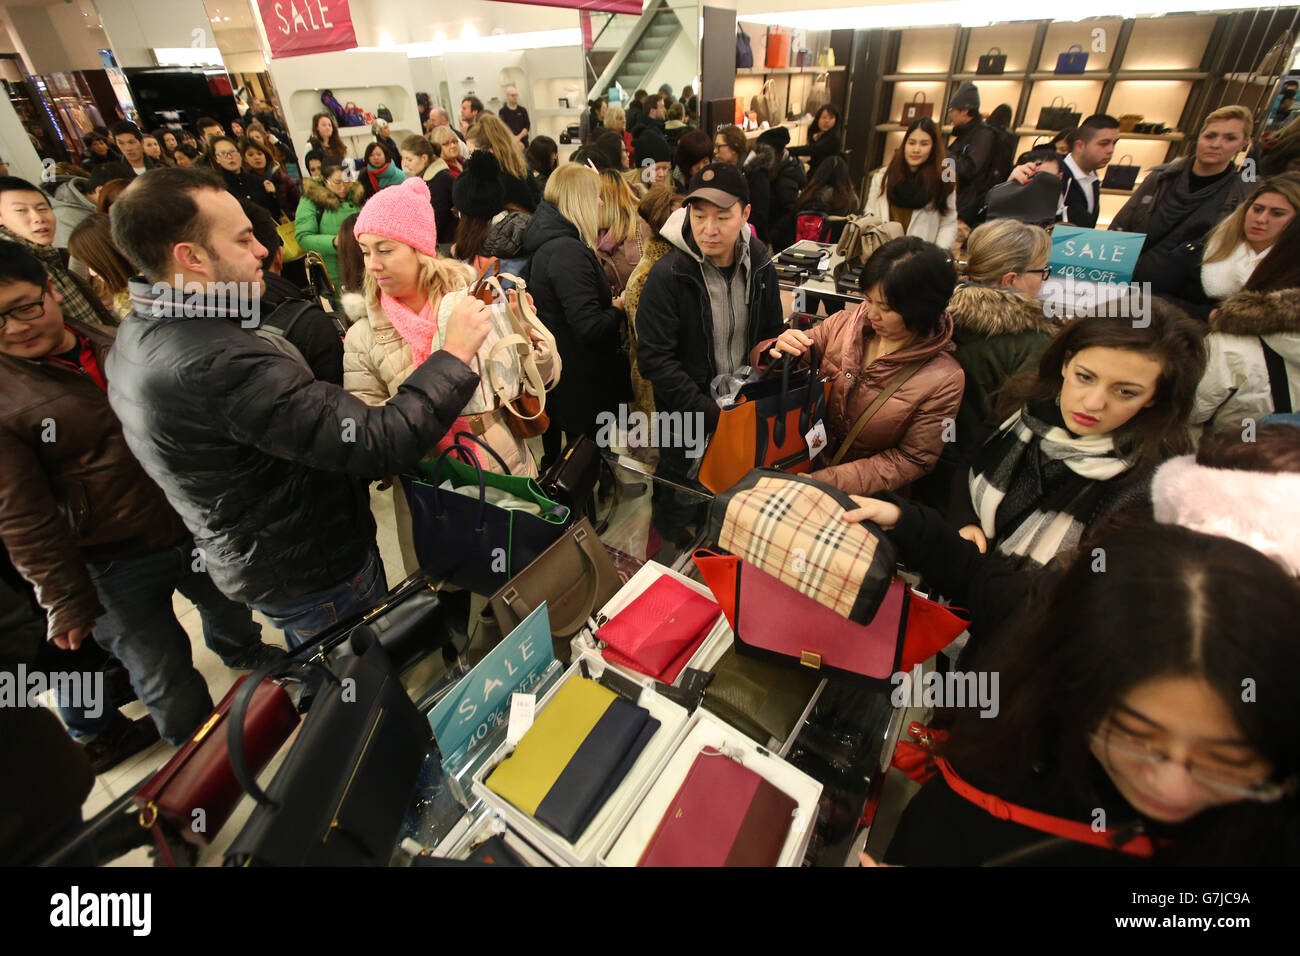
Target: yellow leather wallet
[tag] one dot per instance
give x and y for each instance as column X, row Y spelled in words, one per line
column 575, row 755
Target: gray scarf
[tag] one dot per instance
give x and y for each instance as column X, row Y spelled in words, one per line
column 730, row 309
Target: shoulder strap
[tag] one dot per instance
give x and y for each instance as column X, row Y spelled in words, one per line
column 285, row 315
column 904, row 373
column 1140, row 845
column 1278, row 385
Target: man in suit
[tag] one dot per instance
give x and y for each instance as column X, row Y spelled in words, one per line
column 1091, row 147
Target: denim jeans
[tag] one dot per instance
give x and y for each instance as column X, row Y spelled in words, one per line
column 139, row 628
column 302, row 618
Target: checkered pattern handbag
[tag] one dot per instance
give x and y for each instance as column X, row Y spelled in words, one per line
column 792, row 528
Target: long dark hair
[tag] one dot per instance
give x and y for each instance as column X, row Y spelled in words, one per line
column 335, row 143
column 352, row 264
column 832, row 173
column 1170, row 603
column 931, row 170
column 1170, row 337
column 471, row 233
column 814, row 131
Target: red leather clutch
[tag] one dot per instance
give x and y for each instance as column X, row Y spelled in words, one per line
column 657, row 633
column 724, row 814
column 199, row 776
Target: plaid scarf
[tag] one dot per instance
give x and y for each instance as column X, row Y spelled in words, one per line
column 79, row 302
column 1035, row 485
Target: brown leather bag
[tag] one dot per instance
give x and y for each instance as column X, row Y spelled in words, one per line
column 575, row 576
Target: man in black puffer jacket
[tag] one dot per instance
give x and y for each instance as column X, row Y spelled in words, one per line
column 705, row 305
column 267, row 467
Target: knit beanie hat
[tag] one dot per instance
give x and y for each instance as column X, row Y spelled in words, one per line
column 777, row 136
column 402, row 212
column 478, row 191
column 967, row 97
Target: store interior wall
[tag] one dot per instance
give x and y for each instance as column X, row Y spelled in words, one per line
column 54, row 38
column 136, row 27
column 16, row 150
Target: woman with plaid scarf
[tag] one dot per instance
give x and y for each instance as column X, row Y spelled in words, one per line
column 1109, row 403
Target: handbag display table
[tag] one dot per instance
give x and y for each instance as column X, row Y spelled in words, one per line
column 845, row 739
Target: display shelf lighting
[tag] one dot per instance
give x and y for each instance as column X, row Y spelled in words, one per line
column 974, row 13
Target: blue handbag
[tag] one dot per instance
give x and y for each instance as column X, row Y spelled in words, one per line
column 744, row 52
column 1073, row 60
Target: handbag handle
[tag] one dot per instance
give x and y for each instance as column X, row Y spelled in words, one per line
column 920, row 94
column 482, row 484
column 505, row 469
column 238, row 711
column 1074, row 46
column 1121, row 162
column 814, row 366
column 584, row 541
column 1052, row 105
column 992, row 48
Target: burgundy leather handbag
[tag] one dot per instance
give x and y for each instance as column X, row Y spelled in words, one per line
column 196, row 791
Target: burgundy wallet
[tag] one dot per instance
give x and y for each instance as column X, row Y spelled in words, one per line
column 724, row 814
column 658, row 632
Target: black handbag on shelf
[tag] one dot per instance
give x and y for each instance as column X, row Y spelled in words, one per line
column 341, row 793
column 1120, row 175
column 992, row 63
column 1057, row 118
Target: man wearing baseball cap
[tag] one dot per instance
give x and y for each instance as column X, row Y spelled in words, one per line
column 704, row 306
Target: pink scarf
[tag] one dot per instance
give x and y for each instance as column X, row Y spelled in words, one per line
column 418, row 330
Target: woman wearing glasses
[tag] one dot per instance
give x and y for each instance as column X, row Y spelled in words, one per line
column 241, row 184
column 1131, row 712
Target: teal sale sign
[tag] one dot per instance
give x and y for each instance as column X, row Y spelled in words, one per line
column 1094, row 255
column 481, row 700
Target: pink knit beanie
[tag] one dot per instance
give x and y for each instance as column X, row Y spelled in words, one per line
column 402, row 213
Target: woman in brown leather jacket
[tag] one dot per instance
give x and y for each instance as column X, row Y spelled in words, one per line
column 899, row 339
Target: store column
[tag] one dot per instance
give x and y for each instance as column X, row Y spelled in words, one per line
column 718, row 64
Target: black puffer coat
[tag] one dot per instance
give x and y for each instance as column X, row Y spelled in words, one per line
column 789, row 183
column 267, row 467
column 573, row 300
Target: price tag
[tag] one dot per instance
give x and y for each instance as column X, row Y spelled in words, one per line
column 816, row 439
column 522, row 709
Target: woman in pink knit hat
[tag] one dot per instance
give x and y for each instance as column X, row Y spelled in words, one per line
column 405, row 285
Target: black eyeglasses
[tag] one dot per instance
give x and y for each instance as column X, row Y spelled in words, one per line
column 1045, row 272
column 27, row 312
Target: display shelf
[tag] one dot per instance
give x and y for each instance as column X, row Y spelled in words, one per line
column 1174, row 137
column 786, row 70
column 899, row 127
column 917, row 77
column 1120, row 192
column 556, row 111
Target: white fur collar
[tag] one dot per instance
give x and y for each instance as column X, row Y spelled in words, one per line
column 1259, row 509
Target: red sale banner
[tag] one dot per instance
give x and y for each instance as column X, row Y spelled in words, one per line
column 299, row 27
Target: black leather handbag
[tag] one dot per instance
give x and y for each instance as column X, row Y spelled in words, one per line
column 342, row 792
column 572, row 477
column 1121, row 175
column 992, row 63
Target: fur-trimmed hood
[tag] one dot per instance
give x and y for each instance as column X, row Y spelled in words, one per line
column 995, row 310
column 315, row 190
column 1258, row 313
column 761, row 157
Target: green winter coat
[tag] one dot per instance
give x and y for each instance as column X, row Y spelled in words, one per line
column 318, row 220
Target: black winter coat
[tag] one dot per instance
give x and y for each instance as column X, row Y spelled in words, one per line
column 267, row 467
column 973, row 149
column 674, row 322
column 789, row 183
column 314, row 334
column 757, row 167
column 825, row 146
column 1179, row 281
column 573, row 300
column 247, row 187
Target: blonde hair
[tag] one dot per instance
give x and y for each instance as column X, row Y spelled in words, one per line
column 1227, row 235
column 436, row 276
column 1004, row 245
column 614, row 115
column 440, row 137
column 1233, row 112
column 574, row 190
column 618, row 215
column 491, row 132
